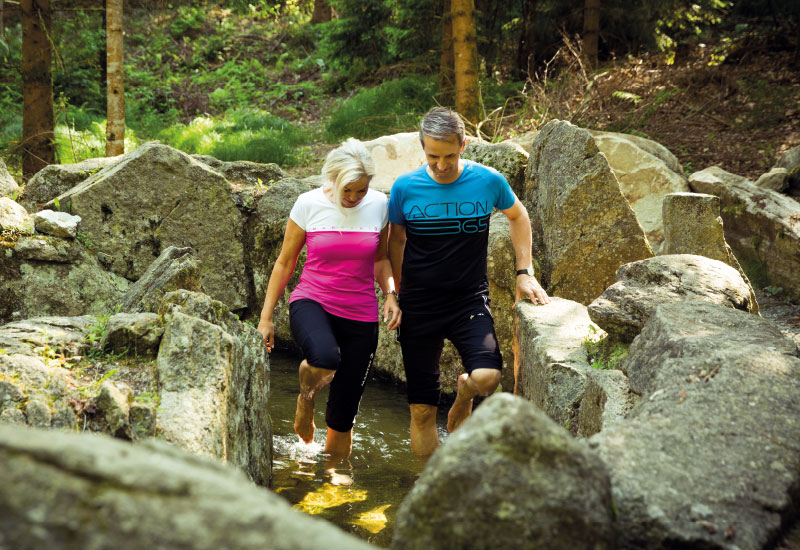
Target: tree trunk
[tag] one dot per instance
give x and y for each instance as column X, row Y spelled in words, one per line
column 446, row 84
column 37, row 88
column 3, row 45
column 465, row 57
column 322, row 12
column 115, row 78
column 526, row 39
column 591, row 31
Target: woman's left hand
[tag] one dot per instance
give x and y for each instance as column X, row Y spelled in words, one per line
column 391, row 308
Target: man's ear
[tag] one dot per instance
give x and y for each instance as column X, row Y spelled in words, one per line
column 463, row 145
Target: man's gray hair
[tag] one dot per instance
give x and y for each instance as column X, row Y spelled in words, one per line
column 441, row 124
column 347, row 163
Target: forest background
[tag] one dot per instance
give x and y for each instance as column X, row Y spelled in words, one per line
column 716, row 82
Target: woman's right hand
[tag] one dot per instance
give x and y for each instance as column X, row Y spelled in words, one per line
column 267, row 330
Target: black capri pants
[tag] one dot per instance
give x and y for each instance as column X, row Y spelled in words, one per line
column 335, row 343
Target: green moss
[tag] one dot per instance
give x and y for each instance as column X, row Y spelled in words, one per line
column 736, row 207
column 754, row 267
column 603, row 353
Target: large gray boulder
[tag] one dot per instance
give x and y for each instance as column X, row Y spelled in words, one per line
column 8, row 184
column 508, row 158
column 194, row 374
column 580, row 219
column 264, row 233
column 710, row 456
column 213, row 380
column 646, row 171
column 508, row 478
column 42, row 275
column 56, row 179
column 73, row 491
column 14, row 218
column 777, row 179
column 501, row 271
column 761, row 226
column 157, row 196
column 609, row 142
column 243, row 173
column 551, row 363
column 174, row 269
column 641, row 286
column 692, row 225
column 790, row 160
column 394, row 155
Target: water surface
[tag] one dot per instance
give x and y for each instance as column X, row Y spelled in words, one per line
column 382, row 469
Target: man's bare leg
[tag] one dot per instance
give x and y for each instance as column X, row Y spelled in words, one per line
column 424, row 438
column 478, row 382
column 312, row 379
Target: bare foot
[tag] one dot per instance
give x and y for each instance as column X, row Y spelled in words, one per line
column 461, row 408
column 304, row 419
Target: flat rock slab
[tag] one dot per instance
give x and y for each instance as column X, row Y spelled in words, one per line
column 641, row 286
column 710, row 456
column 75, row 491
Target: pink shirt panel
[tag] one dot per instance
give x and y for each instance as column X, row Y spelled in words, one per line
column 339, row 268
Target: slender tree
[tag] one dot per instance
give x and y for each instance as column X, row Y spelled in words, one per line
column 446, row 84
column 3, row 45
column 527, row 39
column 115, row 79
column 591, row 31
column 322, row 12
column 465, row 56
column 37, row 87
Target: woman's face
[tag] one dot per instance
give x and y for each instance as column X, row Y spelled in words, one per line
column 354, row 192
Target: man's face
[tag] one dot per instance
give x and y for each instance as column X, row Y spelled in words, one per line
column 442, row 158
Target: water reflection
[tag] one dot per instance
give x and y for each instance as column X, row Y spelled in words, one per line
column 361, row 494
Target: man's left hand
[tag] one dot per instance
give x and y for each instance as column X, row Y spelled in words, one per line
column 529, row 287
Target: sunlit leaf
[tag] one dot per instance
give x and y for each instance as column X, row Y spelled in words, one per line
column 329, row 496
column 373, row 521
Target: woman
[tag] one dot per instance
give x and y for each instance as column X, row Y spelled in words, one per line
column 333, row 310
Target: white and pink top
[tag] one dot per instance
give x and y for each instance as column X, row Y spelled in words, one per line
column 339, row 269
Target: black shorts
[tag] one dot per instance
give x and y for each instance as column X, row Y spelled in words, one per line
column 336, row 343
column 469, row 327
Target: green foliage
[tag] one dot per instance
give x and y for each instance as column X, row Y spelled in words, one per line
column 603, row 352
column 356, row 43
column 95, row 334
column 188, row 20
column 245, row 134
column 414, row 31
column 394, row 106
column 78, row 65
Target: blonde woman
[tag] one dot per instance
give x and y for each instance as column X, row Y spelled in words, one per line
column 333, row 309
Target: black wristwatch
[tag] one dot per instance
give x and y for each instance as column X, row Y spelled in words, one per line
column 526, row 271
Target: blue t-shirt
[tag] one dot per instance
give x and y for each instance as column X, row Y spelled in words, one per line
column 447, row 233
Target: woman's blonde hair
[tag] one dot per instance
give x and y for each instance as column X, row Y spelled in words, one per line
column 347, row 163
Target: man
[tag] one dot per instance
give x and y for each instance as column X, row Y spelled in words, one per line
column 439, row 234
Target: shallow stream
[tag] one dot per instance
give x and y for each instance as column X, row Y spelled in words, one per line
column 382, row 469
